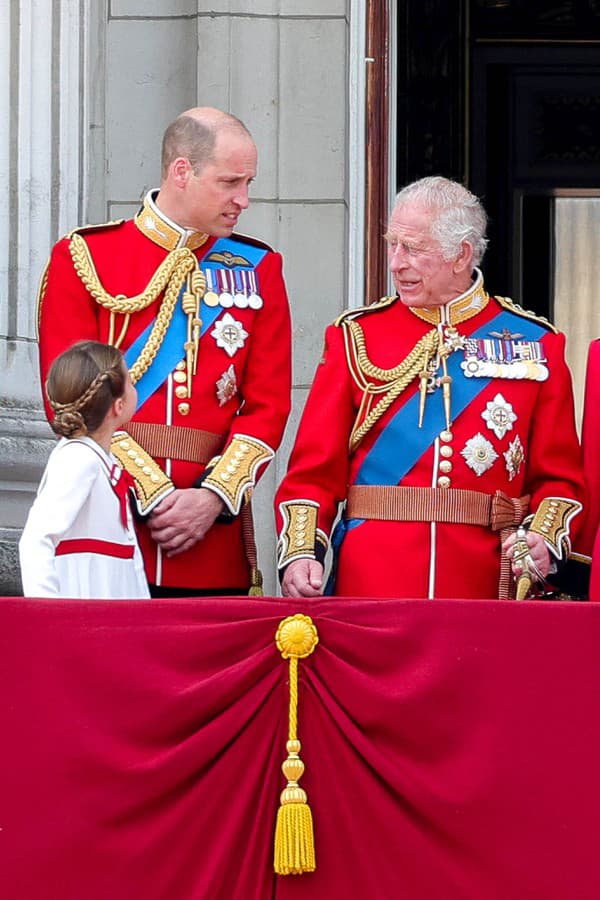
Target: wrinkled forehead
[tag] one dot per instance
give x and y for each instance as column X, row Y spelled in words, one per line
column 412, row 219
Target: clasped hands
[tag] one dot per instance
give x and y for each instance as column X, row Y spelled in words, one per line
column 183, row 518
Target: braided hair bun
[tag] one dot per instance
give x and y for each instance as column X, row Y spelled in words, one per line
column 82, row 384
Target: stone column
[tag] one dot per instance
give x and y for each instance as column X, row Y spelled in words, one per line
column 40, row 163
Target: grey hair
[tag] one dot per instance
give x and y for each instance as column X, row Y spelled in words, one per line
column 458, row 214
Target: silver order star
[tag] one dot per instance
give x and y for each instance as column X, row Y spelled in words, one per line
column 499, row 416
column 229, row 334
column 479, row 454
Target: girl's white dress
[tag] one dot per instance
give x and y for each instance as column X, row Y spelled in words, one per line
column 74, row 543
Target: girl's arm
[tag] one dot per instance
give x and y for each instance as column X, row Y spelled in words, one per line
column 66, row 484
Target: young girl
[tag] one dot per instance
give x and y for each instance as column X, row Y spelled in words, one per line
column 79, row 539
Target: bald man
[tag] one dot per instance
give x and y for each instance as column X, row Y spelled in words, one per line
column 202, row 317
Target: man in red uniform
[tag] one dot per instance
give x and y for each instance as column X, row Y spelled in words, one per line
column 443, row 419
column 590, row 537
column 202, row 316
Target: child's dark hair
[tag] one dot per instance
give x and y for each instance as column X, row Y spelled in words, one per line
column 82, row 384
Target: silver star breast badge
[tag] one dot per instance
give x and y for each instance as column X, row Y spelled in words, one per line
column 479, row 454
column 229, row 334
column 499, row 416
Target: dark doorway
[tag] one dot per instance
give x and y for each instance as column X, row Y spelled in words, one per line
column 504, row 95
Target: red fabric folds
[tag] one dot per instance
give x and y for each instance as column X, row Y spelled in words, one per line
column 451, row 749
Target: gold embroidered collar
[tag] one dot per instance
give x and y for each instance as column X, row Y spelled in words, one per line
column 458, row 310
column 162, row 230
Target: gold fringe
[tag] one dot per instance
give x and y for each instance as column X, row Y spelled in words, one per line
column 294, row 854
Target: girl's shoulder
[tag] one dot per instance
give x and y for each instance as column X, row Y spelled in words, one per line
column 80, row 454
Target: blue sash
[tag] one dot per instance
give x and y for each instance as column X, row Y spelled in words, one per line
column 171, row 349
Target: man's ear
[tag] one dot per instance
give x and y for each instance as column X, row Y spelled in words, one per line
column 118, row 406
column 181, row 170
column 464, row 260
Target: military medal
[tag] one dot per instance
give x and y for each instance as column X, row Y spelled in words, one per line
column 225, row 295
column 499, row 416
column 229, row 334
column 514, row 457
column 504, row 355
column 479, row 454
column 240, row 298
column 211, row 298
column 255, row 301
column 226, row 386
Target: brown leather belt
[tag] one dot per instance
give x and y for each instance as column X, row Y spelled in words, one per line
column 176, row 441
column 417, row 504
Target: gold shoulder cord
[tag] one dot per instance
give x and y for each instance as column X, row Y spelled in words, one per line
column 169, row 277
column 393, row 381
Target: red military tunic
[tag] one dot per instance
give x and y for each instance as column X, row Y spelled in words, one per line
column 590, row 537
column 233, row 408
column 422, row 522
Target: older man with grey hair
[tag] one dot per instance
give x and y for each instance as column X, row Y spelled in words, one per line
column 441, row 422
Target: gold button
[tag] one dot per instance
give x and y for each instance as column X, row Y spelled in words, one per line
column 124, row 445
column 225, row 476
column 180, row 377
column 183, row 408
column 139, row 461
column 155, row 478
column 181, row 391
column 445, row 465
column 131, row 454
column 446, row 451
column 180, row 367
column 147, row 470
column 443, row 481
column 446, row 436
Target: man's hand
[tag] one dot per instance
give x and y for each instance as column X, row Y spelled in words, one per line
column 538, row 552
column 183, row 518
column 303, row 578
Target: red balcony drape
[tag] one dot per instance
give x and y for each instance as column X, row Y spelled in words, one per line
column 452, row 749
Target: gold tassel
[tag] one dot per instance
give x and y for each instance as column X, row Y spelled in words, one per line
column 296, row 639
column 256, row 583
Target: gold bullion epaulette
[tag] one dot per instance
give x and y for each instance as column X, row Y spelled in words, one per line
column 509, row 304
column 383, row 303
column 151, row 483
column 235, row 471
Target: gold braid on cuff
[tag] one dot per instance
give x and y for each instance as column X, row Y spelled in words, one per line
column 151, row 483
column 236, row 470
column 552, row 521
